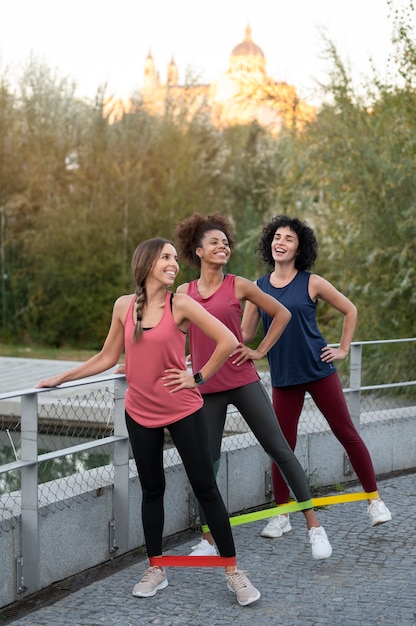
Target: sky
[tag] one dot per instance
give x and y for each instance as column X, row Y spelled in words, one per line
column 97, row 42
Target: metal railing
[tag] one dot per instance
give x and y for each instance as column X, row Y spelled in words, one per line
column 30, row 460
column 356, row 387
column 26, row 429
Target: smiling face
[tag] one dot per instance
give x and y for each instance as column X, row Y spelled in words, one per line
column 214, row 248
column 284, row 245
column 166, row 266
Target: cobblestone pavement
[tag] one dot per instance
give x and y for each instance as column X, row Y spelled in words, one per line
column 369, row 579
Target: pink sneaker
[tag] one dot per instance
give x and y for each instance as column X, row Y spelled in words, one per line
column 153, row 580
column 239, row 584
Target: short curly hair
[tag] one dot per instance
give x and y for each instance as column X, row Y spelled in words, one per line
column 308, row 245
column 190, row 232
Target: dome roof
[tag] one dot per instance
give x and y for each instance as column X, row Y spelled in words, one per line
column 247, row 47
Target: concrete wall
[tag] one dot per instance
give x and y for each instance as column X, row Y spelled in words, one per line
column 74, row 533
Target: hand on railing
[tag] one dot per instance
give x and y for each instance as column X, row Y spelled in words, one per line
column 54, row 381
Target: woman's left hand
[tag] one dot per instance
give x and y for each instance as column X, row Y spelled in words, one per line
column 333, row 354
column 181, row 378
column 243, row 353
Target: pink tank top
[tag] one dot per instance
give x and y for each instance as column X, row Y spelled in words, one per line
column 147, row 401
column 227, row 308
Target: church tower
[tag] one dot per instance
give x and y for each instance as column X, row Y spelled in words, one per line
column 172, row 75
column 151, row 78
column 247, row 60
column 237, row 93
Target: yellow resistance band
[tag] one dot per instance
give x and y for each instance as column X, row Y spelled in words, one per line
column 293, row 506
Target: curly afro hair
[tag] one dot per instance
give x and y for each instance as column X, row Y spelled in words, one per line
column 308, row 246
column 190, row 232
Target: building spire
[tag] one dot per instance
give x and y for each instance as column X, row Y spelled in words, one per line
column 172, row 77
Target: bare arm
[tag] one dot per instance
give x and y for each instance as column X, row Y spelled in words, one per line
column 185, row 311
column 319, row 288
column 103, row 360
column 182, row 288
column 250, row 322
column 257, row 299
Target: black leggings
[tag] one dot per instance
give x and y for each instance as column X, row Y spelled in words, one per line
column 255, row 406
column 190, row 438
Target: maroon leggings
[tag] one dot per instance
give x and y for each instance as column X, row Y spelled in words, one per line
column 329, row 398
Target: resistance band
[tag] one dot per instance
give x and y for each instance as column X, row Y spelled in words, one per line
column 192, row 561
column 290, row 507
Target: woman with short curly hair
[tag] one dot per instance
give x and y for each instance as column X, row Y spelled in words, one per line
column 302, row 361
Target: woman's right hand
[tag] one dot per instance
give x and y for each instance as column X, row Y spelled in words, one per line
column 54, row 381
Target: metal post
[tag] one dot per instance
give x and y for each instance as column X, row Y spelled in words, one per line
column 3, row 265
column 29, row 581
column 355, row 383
column 119, row 528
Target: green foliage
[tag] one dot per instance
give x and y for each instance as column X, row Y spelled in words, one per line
column 80, row 187
column 52, row 469
column 361, row 160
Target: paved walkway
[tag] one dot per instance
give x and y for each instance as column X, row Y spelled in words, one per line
column 369, row 579
column 17, row 374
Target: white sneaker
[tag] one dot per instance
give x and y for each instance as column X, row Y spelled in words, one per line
column 321, row 548
column 203, row 548
column 277, row 526
column 378, row 512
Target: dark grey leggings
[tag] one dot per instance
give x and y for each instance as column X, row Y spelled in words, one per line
column 255, row 406
column 190, row 438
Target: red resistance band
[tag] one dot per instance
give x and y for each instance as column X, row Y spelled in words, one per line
column 192, row 561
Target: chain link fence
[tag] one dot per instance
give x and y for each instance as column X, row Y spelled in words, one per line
column 67, row 419
column 64, row 421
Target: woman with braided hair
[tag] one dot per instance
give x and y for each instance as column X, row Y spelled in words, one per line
column 151, row 326
column 205, row 242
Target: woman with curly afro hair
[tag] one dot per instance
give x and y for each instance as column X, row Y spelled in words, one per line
column 302, row 361
column 205, row 242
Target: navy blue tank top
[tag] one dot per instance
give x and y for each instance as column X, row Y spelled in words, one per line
column 295, row 357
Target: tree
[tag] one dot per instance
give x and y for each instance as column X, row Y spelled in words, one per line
column 82, row 183
column 358, row 160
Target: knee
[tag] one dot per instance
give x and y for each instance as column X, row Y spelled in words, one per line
column 206, row 492
column 154, row 493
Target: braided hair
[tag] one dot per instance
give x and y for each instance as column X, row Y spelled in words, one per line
column 144, row 258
